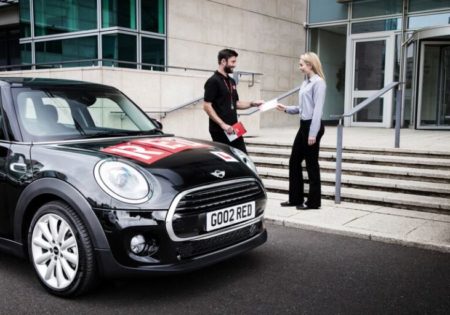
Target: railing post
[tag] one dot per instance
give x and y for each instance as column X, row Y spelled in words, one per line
column 398, row 116
column 337, row 195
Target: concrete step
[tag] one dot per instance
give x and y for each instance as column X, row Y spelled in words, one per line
column 385, row 171
column 261, row 142
column 390, row 199
column 369, row 183
column 373, row 159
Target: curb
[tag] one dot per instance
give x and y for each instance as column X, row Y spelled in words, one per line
column 377, row 237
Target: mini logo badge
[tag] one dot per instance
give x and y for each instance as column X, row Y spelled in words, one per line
column 218, row 174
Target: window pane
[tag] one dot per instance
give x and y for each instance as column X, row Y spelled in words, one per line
column 25, row 54
column 326, row 10
column 419, row 5
column 369, row 65
column 367, row 8
column 56, row 16
column 377, row 26
column 67, row 49
column 153, row 15
column 9, row 46
column 429, row 20
column 119, row 47
column 371, row 113
column 119, row 13
column 153, row 52
column 24, row 13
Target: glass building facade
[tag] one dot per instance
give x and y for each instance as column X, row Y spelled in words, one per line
column 121, row 33
column 366, row 44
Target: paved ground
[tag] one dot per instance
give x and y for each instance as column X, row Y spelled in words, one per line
column 295, row 272
column 410, row 139
column 390, row 225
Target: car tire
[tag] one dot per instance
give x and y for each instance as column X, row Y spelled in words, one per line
column 61, row 251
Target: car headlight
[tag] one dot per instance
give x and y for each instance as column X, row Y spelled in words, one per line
column 245, row 158
column 122, row 181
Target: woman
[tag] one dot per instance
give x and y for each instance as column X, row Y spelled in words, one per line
column 307, row 142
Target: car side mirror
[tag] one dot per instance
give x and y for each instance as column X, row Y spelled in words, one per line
column 157, row 123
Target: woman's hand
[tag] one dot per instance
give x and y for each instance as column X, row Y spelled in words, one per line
column 281, row 107
column 311, row 140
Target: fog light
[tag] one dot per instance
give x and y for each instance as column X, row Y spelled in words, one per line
column 137, row 244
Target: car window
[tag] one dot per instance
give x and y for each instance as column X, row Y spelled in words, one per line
column 107, row 113
column 2, row 134
column 59, row 112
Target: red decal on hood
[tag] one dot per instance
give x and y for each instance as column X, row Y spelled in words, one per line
column 151, row 150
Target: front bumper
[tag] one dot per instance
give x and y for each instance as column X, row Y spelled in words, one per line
column 110, row 268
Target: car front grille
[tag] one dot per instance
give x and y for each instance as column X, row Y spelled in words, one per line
column 219, row 197
column 194, row 248
column 188, row 220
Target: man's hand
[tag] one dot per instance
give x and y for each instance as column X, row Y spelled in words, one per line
column 227, row 128
column 311, row 140
column 256, row 103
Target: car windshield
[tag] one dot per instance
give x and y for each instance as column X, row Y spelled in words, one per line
column 62, row 113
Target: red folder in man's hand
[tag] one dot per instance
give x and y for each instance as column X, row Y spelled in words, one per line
column 238, row 131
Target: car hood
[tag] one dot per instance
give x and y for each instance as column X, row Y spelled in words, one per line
column 183, row 162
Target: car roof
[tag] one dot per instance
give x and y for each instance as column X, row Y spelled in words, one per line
column 34, row 82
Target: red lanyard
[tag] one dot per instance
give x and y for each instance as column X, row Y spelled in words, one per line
column 229, row 88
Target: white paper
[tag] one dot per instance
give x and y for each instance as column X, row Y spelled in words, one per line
column 268, row 105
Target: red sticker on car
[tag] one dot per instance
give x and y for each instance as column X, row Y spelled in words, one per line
column 151, row 150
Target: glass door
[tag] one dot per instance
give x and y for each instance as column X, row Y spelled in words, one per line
column 434, row 86
column 372, row 69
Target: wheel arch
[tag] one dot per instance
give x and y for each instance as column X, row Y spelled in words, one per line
column 45, row 190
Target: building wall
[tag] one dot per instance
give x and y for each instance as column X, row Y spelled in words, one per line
column 268, row 35
column 156, row 91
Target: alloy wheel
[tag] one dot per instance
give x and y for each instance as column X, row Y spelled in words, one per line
column 55, row 251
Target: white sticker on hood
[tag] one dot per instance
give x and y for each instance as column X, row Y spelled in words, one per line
column 224, row 156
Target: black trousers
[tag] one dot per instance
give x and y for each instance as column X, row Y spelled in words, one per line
column 222, row 138
column 310, row 153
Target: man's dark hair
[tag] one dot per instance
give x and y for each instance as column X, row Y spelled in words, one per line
column 226, row 54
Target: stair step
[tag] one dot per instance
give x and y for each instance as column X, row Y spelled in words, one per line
column 378, row 170
column 408, row 201
column 363, row 182
column 378, row 159
column 261, row 142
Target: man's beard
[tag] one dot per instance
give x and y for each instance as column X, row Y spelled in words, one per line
column 228, row 69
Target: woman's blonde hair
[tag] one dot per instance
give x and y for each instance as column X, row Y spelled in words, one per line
column 313, row 60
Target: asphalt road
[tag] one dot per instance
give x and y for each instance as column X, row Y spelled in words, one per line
column 296, row 272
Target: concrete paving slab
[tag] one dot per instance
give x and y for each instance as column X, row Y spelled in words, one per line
column 436, row 232
column 328, row 216
column 387, row 224
column 409, row 213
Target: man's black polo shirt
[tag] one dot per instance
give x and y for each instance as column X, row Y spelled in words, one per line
column 221, row 91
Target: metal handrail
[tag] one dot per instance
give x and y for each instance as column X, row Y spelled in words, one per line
column 236, row 75
column 353, row 111
column 163, row 113
column 280, row 97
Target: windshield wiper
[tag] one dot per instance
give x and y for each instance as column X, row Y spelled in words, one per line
column 121, row 133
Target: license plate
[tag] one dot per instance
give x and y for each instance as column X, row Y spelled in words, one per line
column 229, row 216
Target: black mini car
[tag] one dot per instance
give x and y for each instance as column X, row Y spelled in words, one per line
column 90, row 187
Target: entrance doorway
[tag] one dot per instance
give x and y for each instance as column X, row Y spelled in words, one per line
column 371, row 69
column 434, row 86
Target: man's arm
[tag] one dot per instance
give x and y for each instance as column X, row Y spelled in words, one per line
column 207, row 107
column 248, row 104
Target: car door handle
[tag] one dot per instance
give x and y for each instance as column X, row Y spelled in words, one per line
column 18, row 167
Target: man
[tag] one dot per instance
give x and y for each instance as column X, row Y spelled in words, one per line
column 221, row 100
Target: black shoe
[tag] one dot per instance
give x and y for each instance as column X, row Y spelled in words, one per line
column 288, row 204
